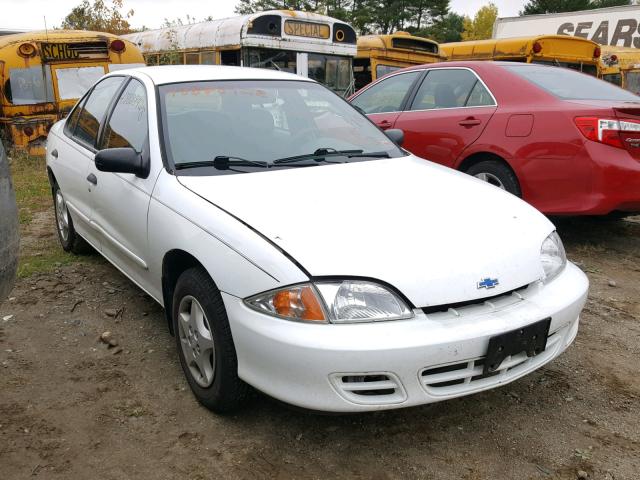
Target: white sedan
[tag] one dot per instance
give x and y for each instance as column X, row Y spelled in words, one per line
column 297, row 249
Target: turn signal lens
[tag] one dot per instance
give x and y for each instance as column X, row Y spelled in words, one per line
column 299, row 302
column 597, row 52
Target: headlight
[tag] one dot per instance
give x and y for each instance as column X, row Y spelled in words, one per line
column 552, row 257
column 342, row 301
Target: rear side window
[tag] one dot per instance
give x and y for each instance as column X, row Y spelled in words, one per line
column 451, row 88
column 569, row 85
column 94, row 110
column 127, row 126
column 387, row 95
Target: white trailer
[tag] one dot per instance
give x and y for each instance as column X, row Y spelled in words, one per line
column 617, row 26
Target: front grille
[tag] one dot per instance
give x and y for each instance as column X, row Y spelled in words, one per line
column 463, row 377
column 478, row 301
column 369, row 388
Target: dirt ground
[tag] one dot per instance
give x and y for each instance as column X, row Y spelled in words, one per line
column 71, row 408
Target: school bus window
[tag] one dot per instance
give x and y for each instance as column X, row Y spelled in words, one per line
column 273, row 59
column 331, row 70
column 192, row 58
column 632, row 82
column 30, row 85
column 384, row 69
column 614, row 78
column 73, row 82
column 208, row 58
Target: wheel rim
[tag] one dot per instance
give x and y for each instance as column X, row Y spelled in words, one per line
column 490, row 178
column 62, row 216
column 196, row 339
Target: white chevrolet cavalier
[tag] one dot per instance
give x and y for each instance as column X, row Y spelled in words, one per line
column 297, row 249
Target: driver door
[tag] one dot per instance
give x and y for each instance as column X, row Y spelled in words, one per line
column 383, row 101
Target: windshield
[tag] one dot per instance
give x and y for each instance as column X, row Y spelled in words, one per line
column 570, row 85
column 263, row 121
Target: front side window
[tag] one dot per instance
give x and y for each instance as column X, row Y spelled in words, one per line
column 330, row 70
column 570, row 85
column 31, row 85
column 127, row 125
column 263, row 121
column 282, row 60
column 450, row 88
column 74, row 82
column 94, row 109
column 387, row 95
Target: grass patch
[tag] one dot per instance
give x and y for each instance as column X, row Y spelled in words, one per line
column 31, row 184
column 40, row 250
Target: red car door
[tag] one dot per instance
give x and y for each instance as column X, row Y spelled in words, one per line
column 448, row 113
column 383, row 101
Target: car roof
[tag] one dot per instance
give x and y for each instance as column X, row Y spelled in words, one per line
column 197, row 73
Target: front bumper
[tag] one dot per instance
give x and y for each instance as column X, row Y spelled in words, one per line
column 374, row 366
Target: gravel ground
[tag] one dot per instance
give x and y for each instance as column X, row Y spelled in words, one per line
column 73, row 408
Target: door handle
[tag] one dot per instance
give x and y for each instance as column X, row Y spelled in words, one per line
column 91, row 178
column 54, row 154
column 469, row 122
column 384, row 124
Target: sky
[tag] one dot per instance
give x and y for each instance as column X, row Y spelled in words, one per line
column 29, row 14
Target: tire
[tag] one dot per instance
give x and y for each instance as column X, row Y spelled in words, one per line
column 70, row 240
column 204, row 343
column 497, row 174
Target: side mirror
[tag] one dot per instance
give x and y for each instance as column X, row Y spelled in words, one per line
column 121, row 160
column 395, row 135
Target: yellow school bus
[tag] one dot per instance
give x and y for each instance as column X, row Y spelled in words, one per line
column 380, row 54
column 561, row 50
column 42, row 75
column 621, row 66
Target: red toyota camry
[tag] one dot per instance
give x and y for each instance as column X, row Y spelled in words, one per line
column 564, row 141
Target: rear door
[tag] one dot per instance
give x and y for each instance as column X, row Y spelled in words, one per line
column 447, row 113
column 383, row 101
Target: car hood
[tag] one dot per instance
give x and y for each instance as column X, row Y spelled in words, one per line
column 429, row 231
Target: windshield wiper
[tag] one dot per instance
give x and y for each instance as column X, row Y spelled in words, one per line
column 222, row 162
column 321, row 153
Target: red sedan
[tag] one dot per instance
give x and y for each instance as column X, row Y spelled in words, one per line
column 565, row 142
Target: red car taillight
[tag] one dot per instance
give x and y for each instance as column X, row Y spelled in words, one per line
column 610, row 131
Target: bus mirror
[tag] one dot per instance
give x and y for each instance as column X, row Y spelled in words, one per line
column 395, row 135
column 119, row 160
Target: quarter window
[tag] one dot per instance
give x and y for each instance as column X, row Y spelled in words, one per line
column 451, row 88
column 387, row 95
column 127, row 126
column 94, row 109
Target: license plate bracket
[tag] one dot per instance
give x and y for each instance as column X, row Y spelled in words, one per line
column 531, row 339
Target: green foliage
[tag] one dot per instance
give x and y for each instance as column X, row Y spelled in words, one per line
column 421, row 17
column 99, row 17
column 553, row 6
column 481, row 27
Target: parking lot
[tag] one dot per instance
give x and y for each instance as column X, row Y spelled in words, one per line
column 73, row 407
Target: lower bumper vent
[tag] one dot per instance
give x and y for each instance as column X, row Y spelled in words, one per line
column 369, row 388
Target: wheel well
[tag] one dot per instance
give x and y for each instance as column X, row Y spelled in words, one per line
column 476, row 158
column 175, row 262
column 52, row 177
